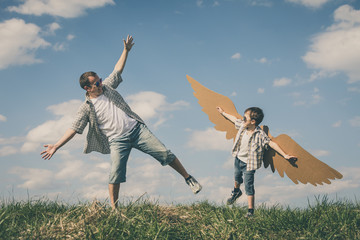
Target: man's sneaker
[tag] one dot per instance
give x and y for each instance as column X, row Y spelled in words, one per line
column 234, row 196
column 194, row 185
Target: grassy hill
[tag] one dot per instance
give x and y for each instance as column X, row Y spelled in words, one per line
column 142, row 219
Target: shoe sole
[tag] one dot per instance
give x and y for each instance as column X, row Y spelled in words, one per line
column 197, row 191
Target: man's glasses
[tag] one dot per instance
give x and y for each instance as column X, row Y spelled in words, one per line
column 97, row 84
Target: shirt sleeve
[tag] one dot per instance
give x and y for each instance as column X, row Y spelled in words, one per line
column 265, row 140
column 81, row 120
column 113, row 80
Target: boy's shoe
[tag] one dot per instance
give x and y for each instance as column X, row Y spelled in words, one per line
column 249, row 215
column 194, row 185
column 234, row 196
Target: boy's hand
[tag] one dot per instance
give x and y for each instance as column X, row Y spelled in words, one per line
column 220, row 110
column 290, row 157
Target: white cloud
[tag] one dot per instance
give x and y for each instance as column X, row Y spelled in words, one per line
column 236, row 56
column 261, row 3
column 64, row 8
column 262, row 60
column 153, row 106
column 320, row 75
column 52, row 130
column 34, row 178
column 354, row 89
column 19, row 42
column 337, row 124
column 59, row 47
column 261, row 90
column 307, row 99
column 70, row 37
column 210, row 139
column 7, row 150
column 281, row 82
column 320, row 153
column 337, row 48
column 2, row 118
column 51, row 28
column 355, row 122
column 11, row 140
column 310, row 3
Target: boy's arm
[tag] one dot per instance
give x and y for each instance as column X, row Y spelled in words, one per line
column 119, row 66
column 228, row 116
column 52, row 148
column 277, row 148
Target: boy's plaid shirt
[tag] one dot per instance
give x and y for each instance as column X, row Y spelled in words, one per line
column 95, row 139
column 258, row 143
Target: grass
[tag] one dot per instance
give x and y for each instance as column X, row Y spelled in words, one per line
column 143, row 219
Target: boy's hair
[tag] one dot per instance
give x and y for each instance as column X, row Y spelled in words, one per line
column 256, row 114
column 84, row 81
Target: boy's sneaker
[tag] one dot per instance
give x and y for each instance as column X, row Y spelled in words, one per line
column 249, row 215
column 234, row 196
column 194, row 185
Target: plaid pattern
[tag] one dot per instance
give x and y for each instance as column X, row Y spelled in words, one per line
column 96, row 140
column 258, row 143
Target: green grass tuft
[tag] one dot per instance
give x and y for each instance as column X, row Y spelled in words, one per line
column 143, row 219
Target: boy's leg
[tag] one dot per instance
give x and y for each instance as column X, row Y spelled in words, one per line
column 251, row 201
column 250, row 190
column 236, row 193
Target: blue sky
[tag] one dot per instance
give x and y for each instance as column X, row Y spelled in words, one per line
column 298, row 60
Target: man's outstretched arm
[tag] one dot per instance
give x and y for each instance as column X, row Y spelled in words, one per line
column 52, row 148
column 122, row 60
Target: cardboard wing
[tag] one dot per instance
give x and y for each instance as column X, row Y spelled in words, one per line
column 306, row 169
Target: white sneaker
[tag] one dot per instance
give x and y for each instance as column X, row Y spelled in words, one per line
column 194, row 185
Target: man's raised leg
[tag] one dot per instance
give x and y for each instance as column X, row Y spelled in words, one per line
column 191, row 181
column 177, row 166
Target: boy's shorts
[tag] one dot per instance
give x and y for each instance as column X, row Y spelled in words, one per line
column 244, row 176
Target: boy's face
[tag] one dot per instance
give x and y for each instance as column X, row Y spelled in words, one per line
column 248, row 122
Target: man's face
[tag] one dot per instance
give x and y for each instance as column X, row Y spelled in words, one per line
column 95, row 88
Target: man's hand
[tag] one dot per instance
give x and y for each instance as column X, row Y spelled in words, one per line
column 49, row 152
column 128, row 43
column 52, row 148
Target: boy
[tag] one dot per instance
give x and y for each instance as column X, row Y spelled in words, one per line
column 248, row 149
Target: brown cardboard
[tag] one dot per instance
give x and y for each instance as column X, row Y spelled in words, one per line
column 307, row 168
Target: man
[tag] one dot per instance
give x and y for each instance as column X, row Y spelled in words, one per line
column 114, row 128
column 248, row 149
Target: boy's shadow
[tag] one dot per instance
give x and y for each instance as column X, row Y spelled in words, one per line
column 269, row 155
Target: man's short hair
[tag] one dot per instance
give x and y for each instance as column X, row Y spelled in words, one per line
column 84, row 80
column 256, row 113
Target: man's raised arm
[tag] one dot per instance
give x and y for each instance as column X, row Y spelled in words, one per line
column 52, row 148
column 122, row 60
